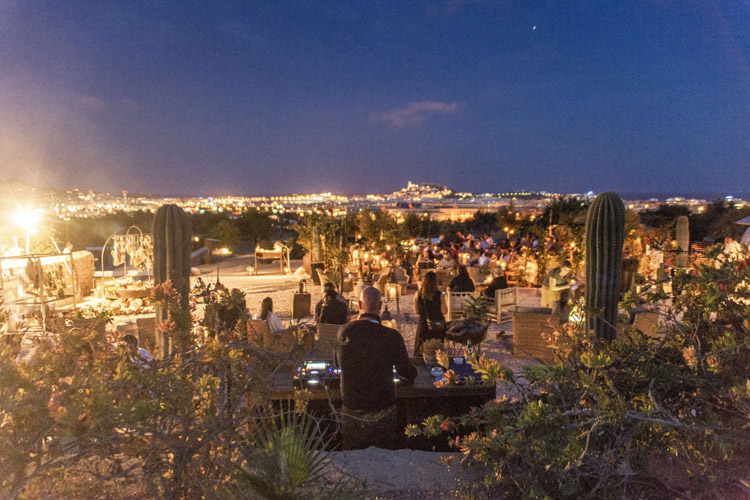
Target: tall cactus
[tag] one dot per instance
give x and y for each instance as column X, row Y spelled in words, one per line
column 683, row 241
column 605, row 235
column 172, row 236
column 317, row 246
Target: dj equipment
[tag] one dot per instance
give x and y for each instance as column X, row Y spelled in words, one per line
column 323, row 373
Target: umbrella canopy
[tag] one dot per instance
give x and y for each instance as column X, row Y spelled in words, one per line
column 745, row 221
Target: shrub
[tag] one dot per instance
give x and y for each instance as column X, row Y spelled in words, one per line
column 618, row 419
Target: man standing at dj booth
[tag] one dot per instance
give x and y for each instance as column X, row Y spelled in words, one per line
column 367, row 353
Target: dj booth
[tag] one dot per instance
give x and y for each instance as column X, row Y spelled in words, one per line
column 414, row 402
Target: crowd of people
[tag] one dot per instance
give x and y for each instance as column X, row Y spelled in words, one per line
column 517, row 257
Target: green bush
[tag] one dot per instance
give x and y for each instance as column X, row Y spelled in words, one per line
column 622, row 418
column 82, row 418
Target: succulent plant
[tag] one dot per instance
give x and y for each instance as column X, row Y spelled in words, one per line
column 605, row 235
column 172, row 236
column 683, row 241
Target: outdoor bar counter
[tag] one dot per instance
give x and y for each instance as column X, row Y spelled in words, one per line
column 414, row 402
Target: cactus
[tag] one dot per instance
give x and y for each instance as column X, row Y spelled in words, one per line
column 605, row 235
column 172, row 236
column 683, row 241
column 317, row 247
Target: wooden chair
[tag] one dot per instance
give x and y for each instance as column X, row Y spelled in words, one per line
column 401, row 278
column 284, row 342
column 325, row 341
column 506, row 301
column 258, row 332
column 382, row 279
column 529, row 326
column 322, row 277
column 501, row 307
column 456, row 302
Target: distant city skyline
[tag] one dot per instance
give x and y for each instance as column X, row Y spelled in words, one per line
column 645, row 195
column 271, row 98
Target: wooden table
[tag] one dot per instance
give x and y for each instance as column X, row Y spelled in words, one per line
column 273, row 254
column 414, row 402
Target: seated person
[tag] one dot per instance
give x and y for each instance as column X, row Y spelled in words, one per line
column 425, row 260
column 319, row 305
column 446, row 262
column 499, row 282
column 462, row 282
column 143, row 356
column 267, row 314
column 531, row 269
column 333, row 311
column 561, row 308
column 406, row 266
column 367, row 353
column 558, row 277
column 454, row 251
column 485, row 258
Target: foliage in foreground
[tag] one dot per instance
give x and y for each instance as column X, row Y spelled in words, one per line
column 86, row 417
column 640, row 417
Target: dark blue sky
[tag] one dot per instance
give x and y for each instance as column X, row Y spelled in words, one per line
column 265, row 97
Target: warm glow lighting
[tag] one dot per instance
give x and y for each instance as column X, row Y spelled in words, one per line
column 225, row 251
column 196, row 239
column 392, row 291
column 26, row 218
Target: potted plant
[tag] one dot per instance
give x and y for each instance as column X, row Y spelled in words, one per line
column 429, row 349
column 474, row 326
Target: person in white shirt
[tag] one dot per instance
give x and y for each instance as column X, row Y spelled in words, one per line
column 484, row 259
column 267, row 314
column 446, row 262
column 143, row 356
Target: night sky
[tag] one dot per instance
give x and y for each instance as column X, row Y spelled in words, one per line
column 269, row 97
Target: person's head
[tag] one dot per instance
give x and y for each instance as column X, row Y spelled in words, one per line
column 566, row 267
column 429, row 285
column 330, row 295
column 497, row 271
column 462, row 272
column 328, row 286
column 369, row 300
column 564, row 297
column 266, row 307
column 131, row 340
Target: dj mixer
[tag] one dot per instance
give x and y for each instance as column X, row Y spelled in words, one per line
column 323, row 373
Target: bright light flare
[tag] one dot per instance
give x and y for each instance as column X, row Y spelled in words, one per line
column 26, row 218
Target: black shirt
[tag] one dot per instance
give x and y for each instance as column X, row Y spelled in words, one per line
column 334, row 312
column 461, row 284
column 497, row 283
column 367, row 359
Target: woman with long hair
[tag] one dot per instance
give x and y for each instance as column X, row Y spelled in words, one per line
column 267, row 314
column 429, row 303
